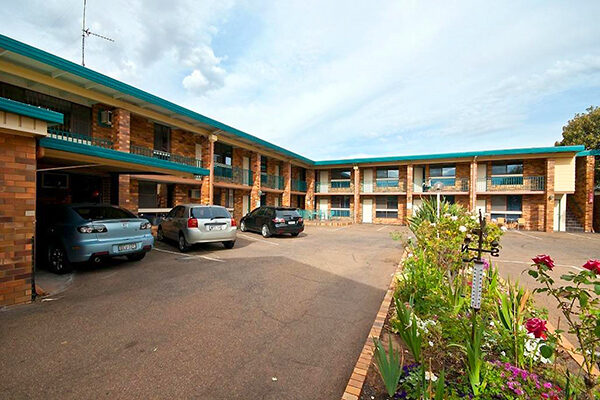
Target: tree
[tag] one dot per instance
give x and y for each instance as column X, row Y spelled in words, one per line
column 583, row 129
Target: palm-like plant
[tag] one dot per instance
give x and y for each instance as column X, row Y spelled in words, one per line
column 388, row 365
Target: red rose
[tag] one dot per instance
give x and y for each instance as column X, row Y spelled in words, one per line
column 544, row 259
column 593, row 265
column 537, row 327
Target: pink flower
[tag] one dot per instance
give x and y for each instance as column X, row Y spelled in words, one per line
column 486, row 264
column 537, row 327
column 593, row 265
column 543, row 259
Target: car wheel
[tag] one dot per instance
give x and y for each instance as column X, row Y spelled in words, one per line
column 182, row 244
column 243, row 226
column 265, row 231
column 136, row 256
column 58, row 260
column 229, row 244
column 160, row 236
column 295, row 234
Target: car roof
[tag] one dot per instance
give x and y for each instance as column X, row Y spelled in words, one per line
column 190, row 205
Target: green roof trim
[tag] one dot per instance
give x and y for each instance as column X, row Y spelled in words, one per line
column 57, row 62
column 79, row 148
column 15, row 107
column 588, row 153
column 532, row 150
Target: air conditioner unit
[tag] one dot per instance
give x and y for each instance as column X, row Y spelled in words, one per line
column 106, row 117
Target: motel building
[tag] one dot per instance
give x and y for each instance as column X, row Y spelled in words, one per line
column 71, row 135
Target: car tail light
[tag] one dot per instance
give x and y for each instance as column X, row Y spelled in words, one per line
column 192, row 223
column 145, row 225
column 92, row 229
column 279, row 220
column 233, row 223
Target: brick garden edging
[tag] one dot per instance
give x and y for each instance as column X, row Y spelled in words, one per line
column 359, row 373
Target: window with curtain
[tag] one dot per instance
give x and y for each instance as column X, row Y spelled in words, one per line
column 386, row 207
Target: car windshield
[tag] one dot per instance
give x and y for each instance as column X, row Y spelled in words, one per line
column 209, row 212
column 287, row 213
column 102, row 212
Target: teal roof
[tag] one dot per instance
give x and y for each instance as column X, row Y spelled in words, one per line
column 80, row 148
column 64, row 65
column 588, row 153
column 440, row 156
column 15, row 107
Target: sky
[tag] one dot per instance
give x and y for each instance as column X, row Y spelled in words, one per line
column 338, row 79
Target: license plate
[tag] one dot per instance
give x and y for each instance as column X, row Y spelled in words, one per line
column 291, row 222
column 127, row 246
column 216, row 227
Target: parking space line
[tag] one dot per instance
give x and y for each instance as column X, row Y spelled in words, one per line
column 186, row 256
column 382, row 228
column 528, row 235
column 258, row 240
column 581, row 236
column 340, row 228
column 205, row 257
column 168, row 251
column 529, row 263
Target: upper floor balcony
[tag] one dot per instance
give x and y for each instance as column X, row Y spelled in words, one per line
column 383, row 185
column 448, row 185
column 229, row 174
column 511, row 184
column 335, row 186
column 272, row 181
column 163, row 155
column 298, row 185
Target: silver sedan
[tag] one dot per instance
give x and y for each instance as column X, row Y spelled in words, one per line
column 189, row 224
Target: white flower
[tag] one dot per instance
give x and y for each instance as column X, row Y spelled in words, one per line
column 462, row 228
column 532, row 349
column 503, row 353
column 446, row 215
column 430, row 343
column 503, row 228
column 454, row 218
column 492, row 323
column 474, row 217
column 433, row 224
column 430, row 376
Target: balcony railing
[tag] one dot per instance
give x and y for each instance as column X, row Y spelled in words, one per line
column 163, row 155
column 230, row 174
column 450, row 184
column 511, row 183
column 78, row 138
column 319, row 215
column 298, row 185
column 271, row 181
column 383, row 186
column 335, row 186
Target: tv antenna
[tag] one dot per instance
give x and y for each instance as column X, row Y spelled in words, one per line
column 85, row 32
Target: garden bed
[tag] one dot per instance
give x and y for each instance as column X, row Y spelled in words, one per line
column 449, row 334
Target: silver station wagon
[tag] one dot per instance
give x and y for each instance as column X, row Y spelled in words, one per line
column 189, row 224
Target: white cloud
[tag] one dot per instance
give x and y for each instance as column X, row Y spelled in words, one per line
column 207, row 74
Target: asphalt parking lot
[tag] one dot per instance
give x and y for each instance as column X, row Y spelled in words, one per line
column 568, row 250
column 277, row 318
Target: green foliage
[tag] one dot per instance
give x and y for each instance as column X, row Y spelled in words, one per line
column 408, row 329
column 475, row 357
column 583, row 129
column 388, row 365
column 511, row 313
column 428, row 212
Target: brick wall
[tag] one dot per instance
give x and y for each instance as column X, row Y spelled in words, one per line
column 534, row 167
column 98, row 131
column 17, row 207
column 534, row 206
column 309, row 200
column 463, row 201
column 584, row 192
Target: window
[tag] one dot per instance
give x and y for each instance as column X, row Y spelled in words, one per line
column 229, row 198
column 386, row 207
column 508, row 168
column 340, row 206
column 179, row 211
column 508, row 207
column 200, row 212
column 162, row 138
column 99, row 213
column 340, row 174
column 223, row 153
column 263, row 165
column 442, row 171
column 147, row 195
column 219, row 212
column 383, row 173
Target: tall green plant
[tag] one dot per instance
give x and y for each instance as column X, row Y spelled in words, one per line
column 388, row 365
column 474, row 360
column 511, row 314
column 407, row 328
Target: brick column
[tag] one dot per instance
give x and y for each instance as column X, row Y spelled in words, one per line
column 409, row 191
column 205, row 188
column 584, row 192
column 356, row 192
column 120, row 132
column 255, row 192
column 473, row 185
column 549, row 196
column 286, row 198
column 309, row 199
column 17, row 215
column 211, row 177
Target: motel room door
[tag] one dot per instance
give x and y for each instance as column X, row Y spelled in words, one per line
column 245, row 167
column 367, row 211
column 245, row 204
column 368, row 180
column 323, row 208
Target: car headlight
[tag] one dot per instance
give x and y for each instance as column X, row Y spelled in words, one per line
column 145, row 225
